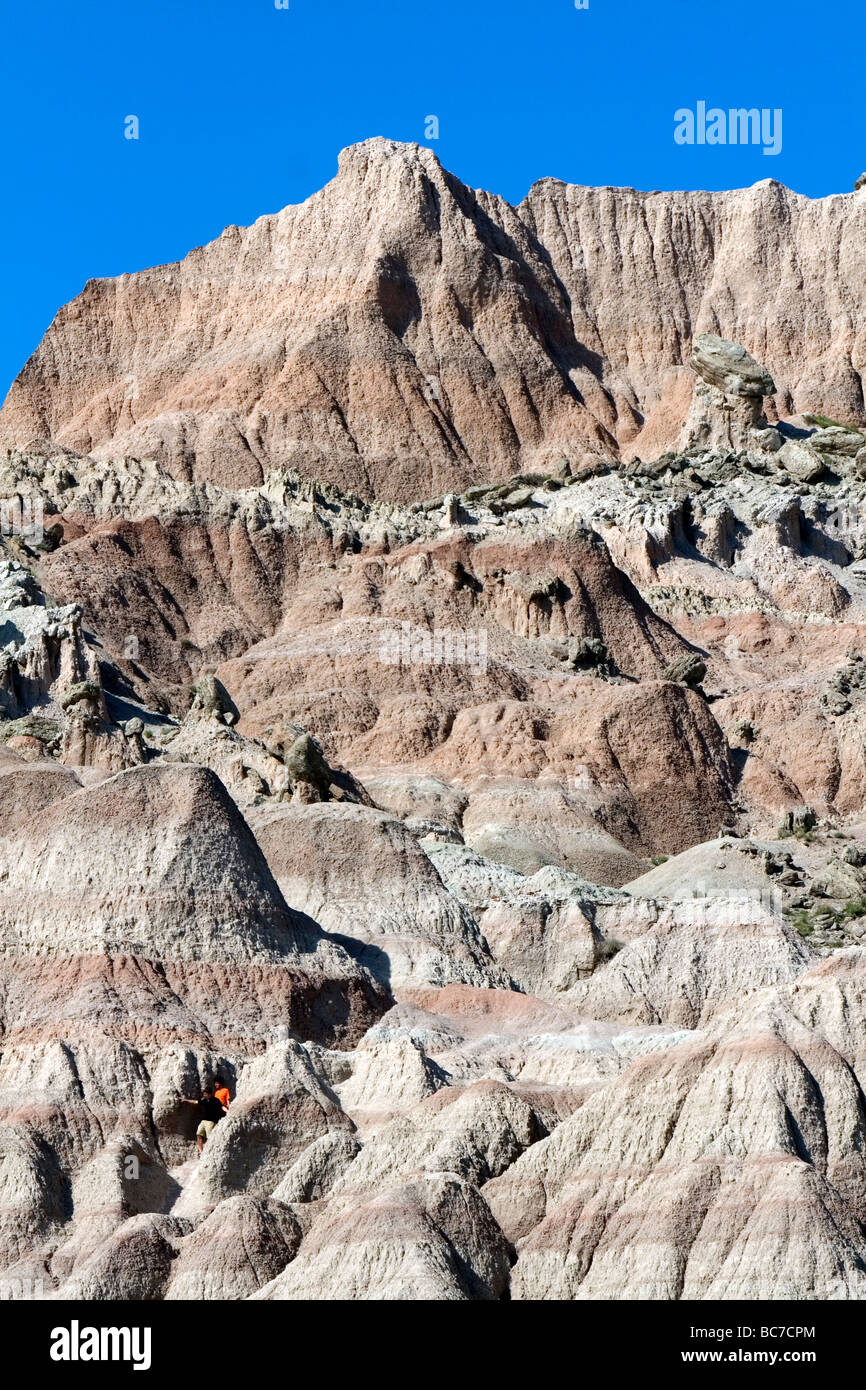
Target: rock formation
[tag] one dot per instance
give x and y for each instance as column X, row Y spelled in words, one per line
column 435, row 703
column 727, row 406
column 455, row 340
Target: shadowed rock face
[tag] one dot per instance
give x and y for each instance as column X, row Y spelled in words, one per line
column 143, row 942
column 237, row 1249
column 183, row 895
column 401, row 334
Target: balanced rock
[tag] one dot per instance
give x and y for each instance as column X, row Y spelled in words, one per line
column 727, row 404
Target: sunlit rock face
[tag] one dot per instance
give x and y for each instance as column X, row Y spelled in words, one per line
column 433, row 701
column 400, row 335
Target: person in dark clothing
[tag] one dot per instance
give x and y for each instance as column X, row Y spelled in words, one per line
column 211, row 1112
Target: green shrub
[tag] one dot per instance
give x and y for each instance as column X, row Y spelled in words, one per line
column 825, row 423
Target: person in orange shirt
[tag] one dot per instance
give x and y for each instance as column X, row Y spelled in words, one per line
column 222, row 1093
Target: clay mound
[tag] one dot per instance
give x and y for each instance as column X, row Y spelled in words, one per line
column 281, row 1107
column 319, row 1167
column 725, row 1165
column 412, row 930
column 527, row 827
column 831, row 998
column 540, row 926
column 386, row 1078
column 721, row 868
column 432, row 1237
column 420, row 802
column 242, row 1245
column 156, row 862
column 477, row 1132
column 780, row 1228
column 131, row 1265
column 25, row 790
column 34, row 1199
column 696, row 957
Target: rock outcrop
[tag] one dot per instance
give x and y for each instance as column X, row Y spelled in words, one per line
column 455, row 339
column 727, row 409
column 413, row 931
column 430, row 1238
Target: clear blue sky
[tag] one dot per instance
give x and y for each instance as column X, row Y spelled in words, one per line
column 244, row 107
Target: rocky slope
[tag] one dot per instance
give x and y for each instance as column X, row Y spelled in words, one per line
column 503, row 849
column 400, row 334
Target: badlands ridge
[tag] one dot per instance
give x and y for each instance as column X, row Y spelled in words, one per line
column 435, row 700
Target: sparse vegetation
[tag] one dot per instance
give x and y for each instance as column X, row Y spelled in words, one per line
column 824, row 422
column 607, row 949
column 825, row 921
column 47, row 731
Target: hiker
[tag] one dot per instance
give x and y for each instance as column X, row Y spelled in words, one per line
column 211, row 1111
column 222, row 1093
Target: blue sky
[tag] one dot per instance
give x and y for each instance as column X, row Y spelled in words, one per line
column 243, row 108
